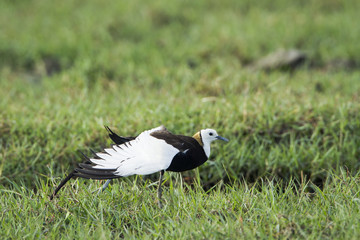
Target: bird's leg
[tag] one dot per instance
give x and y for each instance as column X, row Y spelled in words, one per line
column 103, row 187
column 159, row 187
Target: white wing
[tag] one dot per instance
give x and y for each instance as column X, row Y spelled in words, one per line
column 143, row 155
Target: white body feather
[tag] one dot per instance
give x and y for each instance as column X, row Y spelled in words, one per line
column 143, row 155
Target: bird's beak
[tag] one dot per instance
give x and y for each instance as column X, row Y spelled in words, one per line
column 222, row 138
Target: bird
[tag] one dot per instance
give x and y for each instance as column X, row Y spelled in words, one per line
column 152, row 151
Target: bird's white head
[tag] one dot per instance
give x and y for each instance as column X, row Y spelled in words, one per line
column 206, row 136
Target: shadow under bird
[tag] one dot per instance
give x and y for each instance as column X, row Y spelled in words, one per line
column 154, row 150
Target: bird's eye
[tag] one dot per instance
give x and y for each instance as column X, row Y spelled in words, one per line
column 210, row 134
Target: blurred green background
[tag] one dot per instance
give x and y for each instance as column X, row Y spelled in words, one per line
column 70, row 67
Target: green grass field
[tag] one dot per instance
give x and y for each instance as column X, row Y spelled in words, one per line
column 290, row 170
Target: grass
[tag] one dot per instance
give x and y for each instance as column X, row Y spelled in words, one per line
column 129, row 210
column 66, row 71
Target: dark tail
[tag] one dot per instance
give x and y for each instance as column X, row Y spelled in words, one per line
column 87, row 170
column 116, row 138
column 63, row 182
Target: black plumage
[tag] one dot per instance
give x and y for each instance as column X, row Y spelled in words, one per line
column 116, row 138
column 191, row 153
